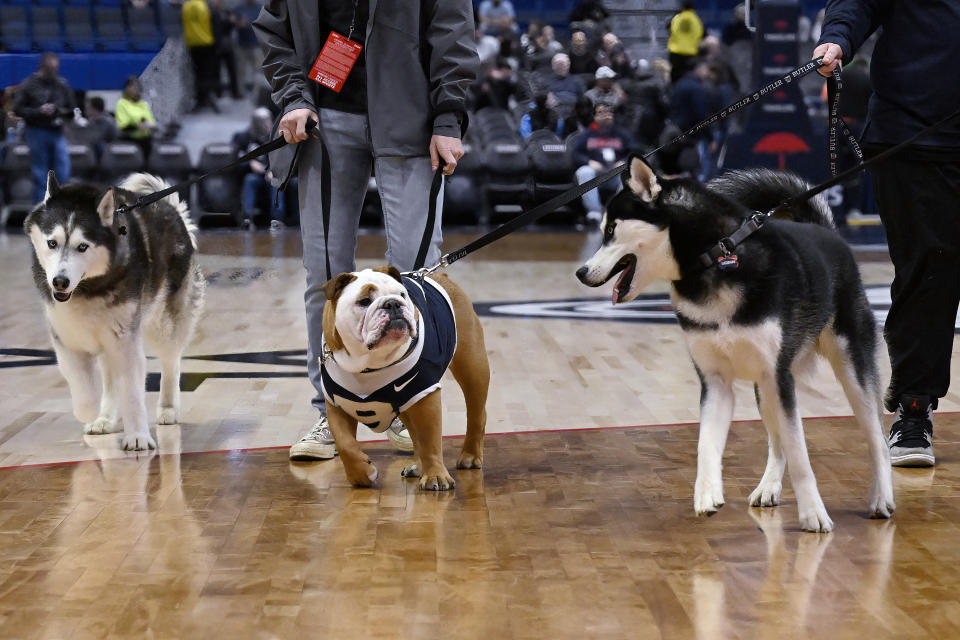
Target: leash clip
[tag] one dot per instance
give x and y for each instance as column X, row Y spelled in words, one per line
column 423, row 272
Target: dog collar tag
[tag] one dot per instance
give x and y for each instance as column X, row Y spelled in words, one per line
column 728, row 262
column 335, row 61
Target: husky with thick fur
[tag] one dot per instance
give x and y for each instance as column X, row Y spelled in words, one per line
column 795, row 292
column 109, row 281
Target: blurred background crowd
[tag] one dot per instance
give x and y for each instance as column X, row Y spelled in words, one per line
column 567, row 89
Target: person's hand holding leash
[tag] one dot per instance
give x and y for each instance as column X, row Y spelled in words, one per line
column 448, row 148
column 293, row 124
column 832, row 54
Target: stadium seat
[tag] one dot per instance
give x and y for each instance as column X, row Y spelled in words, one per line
column 145, row 33
column 552, row 171
column 83, row 162
column 462, row 198
column 78, row 29
column 111, row 30
column 171, row 19
column 47, row 32
column 18, row 200
column 218, row 195
column 118, row 160
column 507, row 173
column 15, row 30
column 171, row 161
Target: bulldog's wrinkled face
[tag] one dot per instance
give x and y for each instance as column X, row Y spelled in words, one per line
column 369, row 311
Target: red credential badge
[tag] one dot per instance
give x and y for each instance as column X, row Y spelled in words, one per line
column 335, row 61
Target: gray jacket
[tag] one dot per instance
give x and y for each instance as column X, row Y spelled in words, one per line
column 421, row 57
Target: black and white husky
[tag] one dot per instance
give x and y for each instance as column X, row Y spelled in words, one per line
column 108, row 282
column 789, row 291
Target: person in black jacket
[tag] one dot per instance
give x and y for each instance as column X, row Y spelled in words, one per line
column 44, row 101
column 917, row 191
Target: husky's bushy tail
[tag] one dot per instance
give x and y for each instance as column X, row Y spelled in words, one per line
column 145, row 183
column 763, row 189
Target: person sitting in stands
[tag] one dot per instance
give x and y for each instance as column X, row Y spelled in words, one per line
column 256, row 183
column 541, row 116
column 134, row 118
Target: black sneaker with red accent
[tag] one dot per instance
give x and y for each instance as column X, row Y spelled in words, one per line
column 911, row 435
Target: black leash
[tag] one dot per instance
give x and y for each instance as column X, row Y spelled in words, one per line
column 722, row 254
column 558, row 201
column 273, row 145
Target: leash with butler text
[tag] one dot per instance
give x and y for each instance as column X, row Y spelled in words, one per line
column 558, row 201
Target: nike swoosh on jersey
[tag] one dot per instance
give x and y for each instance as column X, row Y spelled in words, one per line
column 399, row 387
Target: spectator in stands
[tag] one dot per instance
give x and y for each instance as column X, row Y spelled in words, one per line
column 497, row 17
column 498, row 87
column 621, row 63
column 223, row 23
column 44, row 100
column 691, row 102
column 608, row 43
column 581, row 118
column 606, row 90
column 541, row 116
column 488, row 46
column 540, row 52
column 256, row 183
column 134, row 118
column 566, row 88
column 100, row 126
column 583, row 58
column 529, row 37
column 600, row 148
column 737, row 30
column 589, row 14
column 198, row 36
column 686, row 30
column 249, row 55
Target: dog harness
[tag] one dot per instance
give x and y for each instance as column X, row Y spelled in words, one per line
column 376, row 397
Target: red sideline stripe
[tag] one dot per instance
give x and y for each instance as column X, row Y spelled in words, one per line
column 503, row 433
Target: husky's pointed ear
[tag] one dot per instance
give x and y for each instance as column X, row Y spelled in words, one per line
column 335, row 286
column 642, row 180
column 107, row 207
column 391, row 271
column 53, row 187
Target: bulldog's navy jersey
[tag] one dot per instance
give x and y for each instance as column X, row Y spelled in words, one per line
column 376, row 397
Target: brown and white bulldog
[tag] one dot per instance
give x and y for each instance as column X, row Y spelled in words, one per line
column 383, row 333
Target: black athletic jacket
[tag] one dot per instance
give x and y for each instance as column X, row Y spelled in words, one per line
column 915, row 67
column 376, row 397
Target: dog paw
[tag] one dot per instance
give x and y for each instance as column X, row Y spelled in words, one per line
column 410, row 471
column 881, row 504
column 816, row 520
column 469, row 461
column 767, row 494
column 437, row 482
column 167, row 415
column 707, row 498
column 138, row 442
column 101, row 425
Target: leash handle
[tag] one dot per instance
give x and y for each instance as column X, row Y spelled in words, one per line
column 435, row 187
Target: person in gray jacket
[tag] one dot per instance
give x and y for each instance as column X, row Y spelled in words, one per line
column 401, row 110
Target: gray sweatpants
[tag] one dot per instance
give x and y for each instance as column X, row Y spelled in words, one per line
column 404, row 186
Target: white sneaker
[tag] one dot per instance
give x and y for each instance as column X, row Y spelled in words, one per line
column 316, row 445
column 276, row 226
column 594, row 217
column 398, row 435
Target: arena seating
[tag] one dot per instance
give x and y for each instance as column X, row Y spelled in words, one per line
column 218, row 197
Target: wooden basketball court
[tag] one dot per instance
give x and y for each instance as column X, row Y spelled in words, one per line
column 581, row 524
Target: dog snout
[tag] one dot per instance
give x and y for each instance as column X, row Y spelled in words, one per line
column 61, row 282
column 392, row 307
column 582, row 274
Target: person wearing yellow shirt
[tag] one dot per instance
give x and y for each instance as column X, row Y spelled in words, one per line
column 198, row 36
column 686, row 31
column 134, row 119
